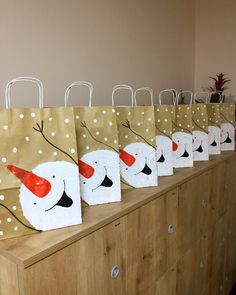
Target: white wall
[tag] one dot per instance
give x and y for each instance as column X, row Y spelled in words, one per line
column 215, row 42
column 142, row 43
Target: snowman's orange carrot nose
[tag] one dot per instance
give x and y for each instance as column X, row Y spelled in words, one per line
column 127, row 158
column 85, row 169
column 39, row 186
column 174, row 146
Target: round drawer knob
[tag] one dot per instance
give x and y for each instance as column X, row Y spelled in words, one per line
column 170, row 229
column 115, row 271
column 204, row 203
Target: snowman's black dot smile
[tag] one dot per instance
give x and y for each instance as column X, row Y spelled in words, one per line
column 146, row 169
column 65, row 200
column 161, row 159
column 185, row 154
column 228, row 139
column 214, row 143
column 107, row 182
column 199, row 149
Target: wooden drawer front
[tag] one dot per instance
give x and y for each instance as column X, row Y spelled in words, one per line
column 217, row 191
column 138, row 243
column 194, row 268
column 167, row 231
column 166, row 285
column 230, row 182
column 194, row 211
column 219, row 245
column 83, row 267
column 215, row 286
column 230, row 264
column 151, row 248
column 8, row 277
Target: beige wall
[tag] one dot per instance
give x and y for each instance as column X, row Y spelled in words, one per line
column 215, row 42
column 142, row 43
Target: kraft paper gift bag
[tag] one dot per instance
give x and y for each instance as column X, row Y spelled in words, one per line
column 164, row 145
column 227, row 114
column 214, row 131
column 98, row 151
column 39, row 179
column 182, row 134
column 136, row 126
column 200, row 128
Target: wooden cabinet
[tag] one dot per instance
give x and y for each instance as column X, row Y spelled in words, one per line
column 230, row 263
column 151, row 243
column 84, row 267
column 194, row 210
column 194, row 267
column 217, row 191
column 178, row 238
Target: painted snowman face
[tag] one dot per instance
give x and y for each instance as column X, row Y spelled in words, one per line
column 227, row 136
column 200, row 146
column 100, row 177
column 50, row 195
column 138, row 165
column 164, row 155
column 214, row 140
column 182, row 149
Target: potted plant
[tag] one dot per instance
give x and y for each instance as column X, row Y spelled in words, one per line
column 219, row 87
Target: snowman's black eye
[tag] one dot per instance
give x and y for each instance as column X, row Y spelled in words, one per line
column 84, row 182
column 95, row 162
column 53, row 176
column 136, row 154
column 35, row 203
column 126, row 168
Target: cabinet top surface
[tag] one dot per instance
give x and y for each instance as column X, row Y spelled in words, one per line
column 27, row 250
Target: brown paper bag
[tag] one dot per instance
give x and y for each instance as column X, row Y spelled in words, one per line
column 163, row 120
column 98, row 151
column 200, row 128
column 182, row 134
column 214, row 121
column 39, row 178
column 136, row 126
column 227, row 114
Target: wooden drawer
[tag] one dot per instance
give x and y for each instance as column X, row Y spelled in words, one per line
column 230, row 183
column 215, row 285
column 151, row 242
column 194, row 268
column 230, row 262
column 139, row 244
column 217, row 191
column 219, row 245
column 166, row 285
column 194, row 210
column 83, row 267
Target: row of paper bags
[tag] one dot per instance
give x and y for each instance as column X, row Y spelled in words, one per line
column 50, row 157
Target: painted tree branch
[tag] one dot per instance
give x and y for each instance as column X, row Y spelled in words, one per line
column 188, row 131
column 223, row 116
column 198, row 126
column 127, row 125
column 84, row 125
column 40, row 130
column 162, row 132
column 21, row 222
